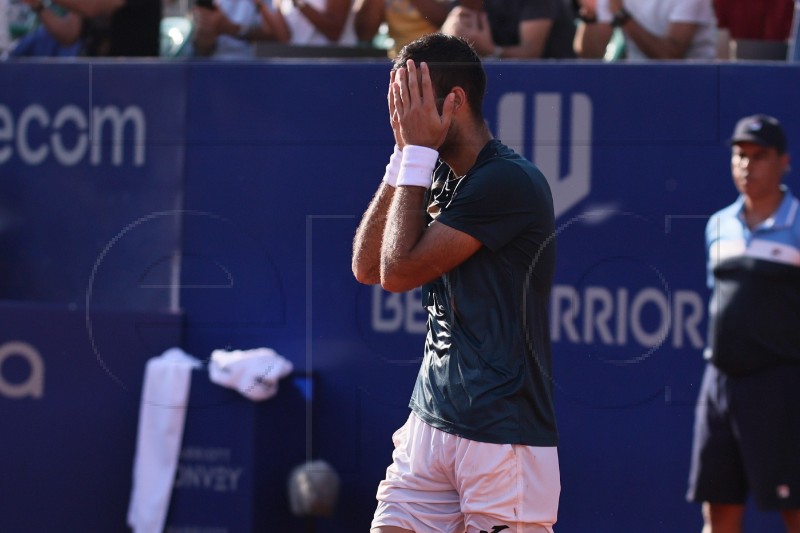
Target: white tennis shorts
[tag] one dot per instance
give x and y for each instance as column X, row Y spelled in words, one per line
column 439, row 482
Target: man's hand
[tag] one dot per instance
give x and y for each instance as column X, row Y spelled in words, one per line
column 394, row 119
column 415, row 107
column 470, row 25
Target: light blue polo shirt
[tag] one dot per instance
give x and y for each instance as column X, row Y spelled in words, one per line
column 776, row 239
column 754, row 311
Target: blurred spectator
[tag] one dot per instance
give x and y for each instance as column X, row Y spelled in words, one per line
column 5, row 39
column 40, row 43
column 663, row 29
column 57, row 36
column 520, row 29
column 744, row 20
column 104, row 27
column 227, row 29
column 406, row 20
column 316, row 22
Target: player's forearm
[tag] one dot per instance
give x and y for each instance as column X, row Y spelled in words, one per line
column 366, row 261
column 399, row 271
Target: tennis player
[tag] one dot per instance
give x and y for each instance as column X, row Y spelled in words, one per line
column 471, row 222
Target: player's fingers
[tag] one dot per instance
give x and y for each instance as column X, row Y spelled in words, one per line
column 402, row 85
column 397, row 98
column 428, row 97
column 390, row 93
column 413, row 81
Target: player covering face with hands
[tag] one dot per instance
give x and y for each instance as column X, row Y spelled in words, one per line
column 416, row 119
column 469, row 221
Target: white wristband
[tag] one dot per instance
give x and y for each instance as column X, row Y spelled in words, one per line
column 393, row 168
column 417, row 166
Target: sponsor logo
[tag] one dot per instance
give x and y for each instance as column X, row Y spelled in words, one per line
column 69, row 135
column 207, row 469
column 33, row 385
column 595, row 314
column 574, row 184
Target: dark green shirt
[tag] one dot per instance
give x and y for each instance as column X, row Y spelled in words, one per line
column 486, row 372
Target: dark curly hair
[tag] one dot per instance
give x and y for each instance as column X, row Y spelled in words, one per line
column 453, row 63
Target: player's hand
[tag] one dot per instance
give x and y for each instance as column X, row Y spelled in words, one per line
column 415, row 105
column 394, row 119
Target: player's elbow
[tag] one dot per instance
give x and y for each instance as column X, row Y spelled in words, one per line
column 365, row 275
column 391, row 280
column 366, row 278
column 394, row 279
column 396, row 285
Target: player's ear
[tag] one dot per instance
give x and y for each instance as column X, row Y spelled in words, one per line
column 460, row 98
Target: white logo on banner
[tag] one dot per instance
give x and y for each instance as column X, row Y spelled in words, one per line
column 34, row 385
column 545, row 151
column 596, row 315
column 68, row 134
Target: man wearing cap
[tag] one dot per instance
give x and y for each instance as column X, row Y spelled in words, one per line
column 747, row 426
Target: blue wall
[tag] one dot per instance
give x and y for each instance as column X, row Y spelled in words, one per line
column 276, row 163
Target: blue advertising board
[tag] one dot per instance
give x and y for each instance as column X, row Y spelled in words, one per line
column 69, row 403
column 91, row 178
column 276, row 163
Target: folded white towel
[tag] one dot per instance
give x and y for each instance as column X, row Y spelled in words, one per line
column 162, row 413
column 254, row 373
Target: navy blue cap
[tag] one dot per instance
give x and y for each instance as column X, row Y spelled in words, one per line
column 760, row 129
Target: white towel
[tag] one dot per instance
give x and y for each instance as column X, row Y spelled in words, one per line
column 161, row 417
column 254, row 373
